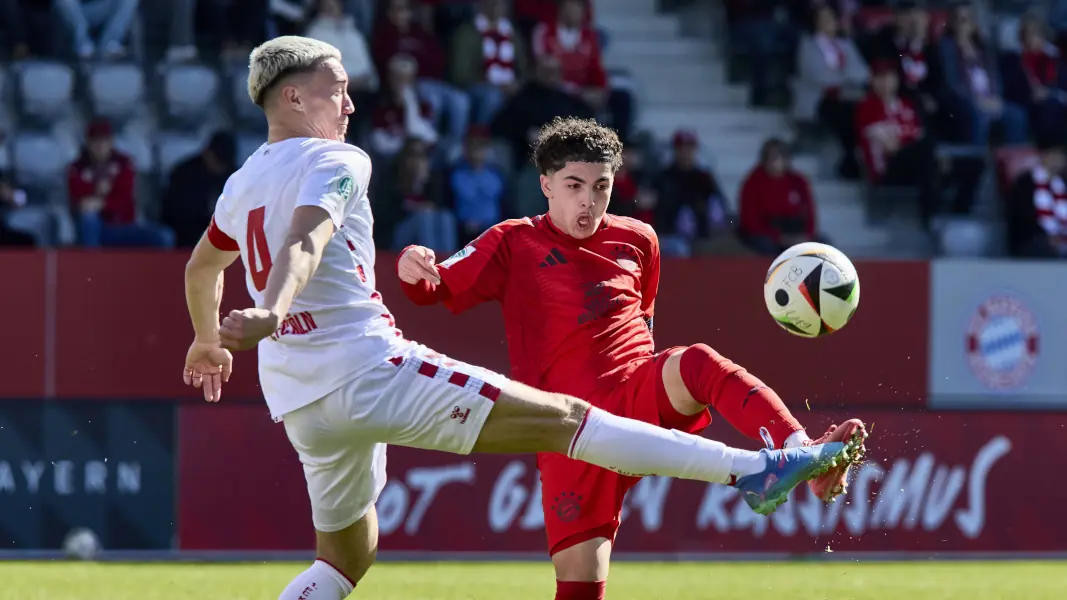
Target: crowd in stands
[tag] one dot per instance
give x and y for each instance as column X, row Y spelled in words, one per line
column 923, row 96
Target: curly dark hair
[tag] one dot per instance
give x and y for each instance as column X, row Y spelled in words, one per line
column 570, row 139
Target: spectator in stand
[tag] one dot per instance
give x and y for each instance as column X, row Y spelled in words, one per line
column 13, row 26
column 634, row 191
column 401, row 34
column 100, row 184
column 972, row 90
column 574, row 43
column 831, row 78
column 114, row 17
column 761, row 29
column 899, row 152
column 194, row 186
column 488, row 59
column 691, row 214
column 413, row 199
column 400, row 113
column 476, row 187
column 908, row 42
column 1036, row 79
column 1037, row 205
column 538, row 102
column 12, row 200
column 776, row 204
column 333, row 26
column 287, row 17
column 531, row 13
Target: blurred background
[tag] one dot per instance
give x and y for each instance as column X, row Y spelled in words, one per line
column 926, row 140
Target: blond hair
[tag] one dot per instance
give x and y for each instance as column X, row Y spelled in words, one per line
column 275, row 59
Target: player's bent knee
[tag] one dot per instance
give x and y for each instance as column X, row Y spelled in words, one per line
column 351, row 550
column 524, row 419
column 585, row 561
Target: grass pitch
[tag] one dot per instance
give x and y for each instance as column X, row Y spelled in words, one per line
column 534, row 581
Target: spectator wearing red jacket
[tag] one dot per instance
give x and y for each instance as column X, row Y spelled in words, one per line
column 100, row 184
column 776, row 204
column 399, row 33
column 575, row 44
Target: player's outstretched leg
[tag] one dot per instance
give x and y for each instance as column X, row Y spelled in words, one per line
column 528, row 420
column 698, row 377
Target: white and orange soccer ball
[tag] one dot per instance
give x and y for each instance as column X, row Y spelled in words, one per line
column 812, row 289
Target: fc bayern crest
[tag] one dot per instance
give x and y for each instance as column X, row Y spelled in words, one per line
column 1002, row 342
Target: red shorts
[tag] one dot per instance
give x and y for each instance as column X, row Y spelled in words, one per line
column 582, row 501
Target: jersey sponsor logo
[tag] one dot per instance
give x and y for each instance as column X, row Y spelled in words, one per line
column 626, row 257
column 1001, row 342
column 598, row 302
column 458, row 256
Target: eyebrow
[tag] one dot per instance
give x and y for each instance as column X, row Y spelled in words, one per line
column 580, row 180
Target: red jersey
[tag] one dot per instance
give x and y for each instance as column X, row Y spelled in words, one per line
column 578, row 52
column 873, row 113
column 83, row 179
column 577, row 313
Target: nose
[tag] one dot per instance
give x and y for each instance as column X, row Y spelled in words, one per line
column 349, row 107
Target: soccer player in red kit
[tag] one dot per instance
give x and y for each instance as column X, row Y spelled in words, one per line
column 578, row 289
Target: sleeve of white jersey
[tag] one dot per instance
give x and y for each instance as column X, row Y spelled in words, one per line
column 336, row 179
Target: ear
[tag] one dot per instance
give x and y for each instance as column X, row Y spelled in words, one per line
column 291, row 96
column 546, row 186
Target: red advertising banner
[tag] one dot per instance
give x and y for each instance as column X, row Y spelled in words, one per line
column 933, row 483
column 95, row 311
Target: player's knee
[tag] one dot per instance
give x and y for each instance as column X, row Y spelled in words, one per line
column 352, row 550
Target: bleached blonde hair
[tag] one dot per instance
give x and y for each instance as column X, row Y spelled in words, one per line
column 283, row 56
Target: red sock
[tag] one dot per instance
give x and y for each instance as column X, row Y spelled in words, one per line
column 736, row 394
column 580, row 590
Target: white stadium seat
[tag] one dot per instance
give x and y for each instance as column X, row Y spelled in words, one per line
column 39, row 161
column 244, row 109
column 116, row 90
column 964, row 238
column 47, row 88
column 136, row 143
column 190, row 91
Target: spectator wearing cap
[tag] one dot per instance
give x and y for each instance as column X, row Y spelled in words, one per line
column 100, row 184
column 113, row 17
column 537, row 102
column 400, row 112
column 488, row 59
column 399, row 33
column 571, row 40
column 972, row 90
column 1037, row 205
column 908, row 42
column 194, row 186
column 777, row 208
column 831, row 78
column 1035, row 78
column 691, row 209
column 476, row 187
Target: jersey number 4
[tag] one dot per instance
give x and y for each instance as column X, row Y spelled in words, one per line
column 258, row 253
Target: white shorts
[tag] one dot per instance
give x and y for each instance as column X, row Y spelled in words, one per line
column 418, row 399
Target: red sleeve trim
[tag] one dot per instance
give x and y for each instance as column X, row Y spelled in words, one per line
column 220, row 240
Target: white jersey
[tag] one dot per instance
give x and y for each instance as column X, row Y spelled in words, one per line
column 338, row 328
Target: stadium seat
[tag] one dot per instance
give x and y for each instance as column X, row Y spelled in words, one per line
column 247, row 143
column 136, row 143
column 190, row 92
column 116, row 90
column 39, row 161
column 964, row 238
column 46, row 89
column 172, row 148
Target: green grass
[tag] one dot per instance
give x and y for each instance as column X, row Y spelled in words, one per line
column 534, row 581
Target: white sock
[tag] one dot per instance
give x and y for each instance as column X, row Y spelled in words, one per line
column 319, row 582
column 634, row 448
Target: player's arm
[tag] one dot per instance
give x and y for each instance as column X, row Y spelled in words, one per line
column 650, row 279
column 204, row 275
column 296, row 261
column 477, row 273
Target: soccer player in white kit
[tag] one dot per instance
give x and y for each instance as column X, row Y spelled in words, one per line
column 336, row 370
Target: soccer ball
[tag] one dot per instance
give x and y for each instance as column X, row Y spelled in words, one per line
column 812, row 289
column 81, row 544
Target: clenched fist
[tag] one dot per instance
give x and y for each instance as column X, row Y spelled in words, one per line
column 416, row 264
column 243, row 329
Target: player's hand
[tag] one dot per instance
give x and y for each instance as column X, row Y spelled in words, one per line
column 243, row 329
column 418, row 263
column 207, row 367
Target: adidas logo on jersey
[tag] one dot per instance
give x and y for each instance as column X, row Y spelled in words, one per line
column 555, row 257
